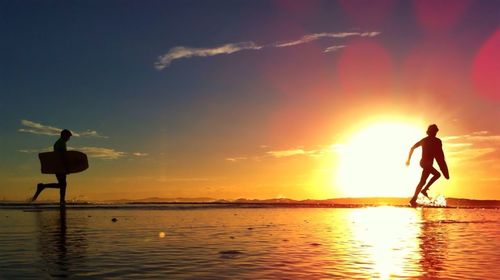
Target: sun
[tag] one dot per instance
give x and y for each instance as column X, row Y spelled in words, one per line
column 372, row 162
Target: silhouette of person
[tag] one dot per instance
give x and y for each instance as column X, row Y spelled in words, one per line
column 59, row 147
column 431, row 149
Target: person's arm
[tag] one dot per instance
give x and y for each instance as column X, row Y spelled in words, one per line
column 411, row 151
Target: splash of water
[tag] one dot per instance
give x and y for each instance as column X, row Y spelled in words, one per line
column 438, row 201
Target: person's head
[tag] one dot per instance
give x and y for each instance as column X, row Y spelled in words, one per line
column 66, row 134
column 432, row 130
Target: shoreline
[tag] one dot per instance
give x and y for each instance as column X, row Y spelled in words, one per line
column 212, row 205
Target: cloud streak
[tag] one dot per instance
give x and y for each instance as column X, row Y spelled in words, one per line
column 333, row 48
column 473, row 146
column 92, row 152
column 318, row 152
column 181, row 52
column 316, row 36
column 187, row 52
column 278, row 154
column 102, row 153
column 42, row 129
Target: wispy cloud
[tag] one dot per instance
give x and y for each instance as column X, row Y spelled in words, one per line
column 286, row 153
column 42, row 129
column 33, row 151
column 472, row 138
column 186, row 52
column 92, row 152
column 472, row 146
column 318, row 151
column 102, row 153
column 316, row 36
column 334, row 48
column 235, row 159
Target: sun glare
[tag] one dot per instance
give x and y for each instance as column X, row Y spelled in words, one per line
column 373, row 161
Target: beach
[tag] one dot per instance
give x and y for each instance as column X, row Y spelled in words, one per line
column 205, row 242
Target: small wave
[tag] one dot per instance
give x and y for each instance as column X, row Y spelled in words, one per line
column 230, row 252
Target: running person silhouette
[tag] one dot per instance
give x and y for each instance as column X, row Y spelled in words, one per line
column 431, row 149
column 60, row 147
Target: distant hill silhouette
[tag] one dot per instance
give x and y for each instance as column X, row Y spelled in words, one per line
column 334, row 202
column 395, row 201
column 160, row 199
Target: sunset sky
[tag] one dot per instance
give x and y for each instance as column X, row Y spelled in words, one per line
column 254, row 99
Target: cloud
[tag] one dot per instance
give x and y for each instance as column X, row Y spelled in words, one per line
column 42, row 129
column 316, row 36
column 472, row 146
column 186, row 52
column 483, row 137
column 89, row 133
column 286, row 153
column 34, row 151
column 235, row 159
column 92, row 152
column 319, row 151
column 102, row 153
column 470, row 153
column 334, row 48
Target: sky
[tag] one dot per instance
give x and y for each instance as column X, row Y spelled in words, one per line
column 255, row 99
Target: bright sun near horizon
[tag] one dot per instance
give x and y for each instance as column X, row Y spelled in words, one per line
column 372, row 162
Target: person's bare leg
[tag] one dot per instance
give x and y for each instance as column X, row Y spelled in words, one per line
column 423, row 179
column 61, row 179
column 62, row 195
column 435, row 176
column 39, row 189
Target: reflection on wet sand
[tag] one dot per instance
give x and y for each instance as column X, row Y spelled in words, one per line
column 61, row 253
column 433, row 243
column 399, row 242
column 385, row 241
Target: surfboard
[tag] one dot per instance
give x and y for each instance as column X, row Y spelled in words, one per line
column 442, row 165
column 54, row 162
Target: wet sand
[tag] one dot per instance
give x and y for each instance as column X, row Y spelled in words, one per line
column 249, row 243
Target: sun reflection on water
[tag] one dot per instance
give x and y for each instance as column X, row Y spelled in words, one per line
column 387, row 241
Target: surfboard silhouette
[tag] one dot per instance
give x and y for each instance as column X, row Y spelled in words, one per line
column 63, row 163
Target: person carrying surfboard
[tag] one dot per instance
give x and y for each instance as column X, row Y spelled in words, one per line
column 59, row 147
column 431, row 149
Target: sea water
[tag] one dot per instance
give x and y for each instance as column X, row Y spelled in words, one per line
column 249, row 243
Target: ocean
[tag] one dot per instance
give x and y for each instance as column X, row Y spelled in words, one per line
column 226, row 242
